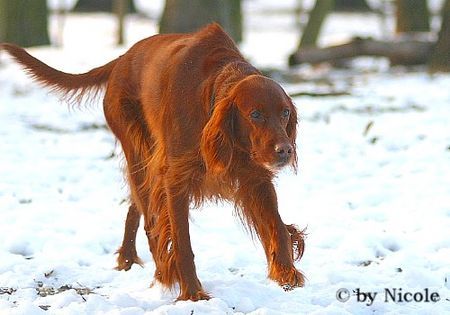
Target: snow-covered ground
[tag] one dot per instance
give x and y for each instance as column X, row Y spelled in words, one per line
column 373, row 188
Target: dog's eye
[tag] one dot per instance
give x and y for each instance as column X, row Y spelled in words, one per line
column 256, row 114
column 286, row 113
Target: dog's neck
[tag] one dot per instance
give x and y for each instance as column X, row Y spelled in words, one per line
column 227, row 77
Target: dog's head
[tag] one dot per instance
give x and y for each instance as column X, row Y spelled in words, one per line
column 256, row 117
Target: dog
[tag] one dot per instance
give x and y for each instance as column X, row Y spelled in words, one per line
column 196, row 122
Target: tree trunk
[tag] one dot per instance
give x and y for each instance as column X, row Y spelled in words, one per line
column 120, row 8
column 315, row 21
column 24, row 22
column 102, row 6
column 183, row 16
column 351, row 5
column 235, row 16
column 440, row 58
column 412, row 16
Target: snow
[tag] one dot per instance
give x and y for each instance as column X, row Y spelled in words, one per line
column 375, row 201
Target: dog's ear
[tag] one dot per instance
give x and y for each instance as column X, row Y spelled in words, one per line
column 291, row 130
column 217, row 141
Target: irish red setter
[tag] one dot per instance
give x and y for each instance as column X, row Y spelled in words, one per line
column 196, row 121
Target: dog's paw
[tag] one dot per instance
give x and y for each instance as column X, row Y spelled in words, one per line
column 126, row 260
column 288, row 278
column 194, row 296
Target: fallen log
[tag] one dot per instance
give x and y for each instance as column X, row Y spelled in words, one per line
column 399, row 52
column 318, row 94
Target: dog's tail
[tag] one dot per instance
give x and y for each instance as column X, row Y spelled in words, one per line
column 73, row 88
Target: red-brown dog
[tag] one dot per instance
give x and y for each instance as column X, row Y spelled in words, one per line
column 195, row 121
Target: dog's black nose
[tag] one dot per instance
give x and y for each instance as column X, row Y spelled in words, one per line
column 284, row 150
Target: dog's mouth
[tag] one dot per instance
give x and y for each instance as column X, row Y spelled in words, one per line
column 276, row 166
column 273, row 165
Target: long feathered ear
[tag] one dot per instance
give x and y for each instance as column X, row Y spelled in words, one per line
column 217, row 138
column 291, row 130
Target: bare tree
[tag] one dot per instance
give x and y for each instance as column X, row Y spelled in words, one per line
column 182, row 16
column 351, row 5
column 315, row 21
column 440, row 58
column 412, row 16
column 120, row 8
column 102, row 6
column 24, row 22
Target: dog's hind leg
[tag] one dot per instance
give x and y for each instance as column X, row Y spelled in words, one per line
column 125, row 118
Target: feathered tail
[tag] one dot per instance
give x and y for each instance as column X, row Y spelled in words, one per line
column 73, row 88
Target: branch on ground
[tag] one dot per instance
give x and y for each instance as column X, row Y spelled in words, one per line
column 400, row 52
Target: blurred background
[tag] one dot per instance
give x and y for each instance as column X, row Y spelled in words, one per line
column 405, row 32
column 373, row 142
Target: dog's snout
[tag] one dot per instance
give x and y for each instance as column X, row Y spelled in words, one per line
column 284, row 150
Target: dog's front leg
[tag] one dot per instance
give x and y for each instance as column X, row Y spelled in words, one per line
column 260, row 209
column 178, row 207
column 127, row 252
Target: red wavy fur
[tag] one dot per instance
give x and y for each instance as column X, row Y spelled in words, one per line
column 196, row 121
